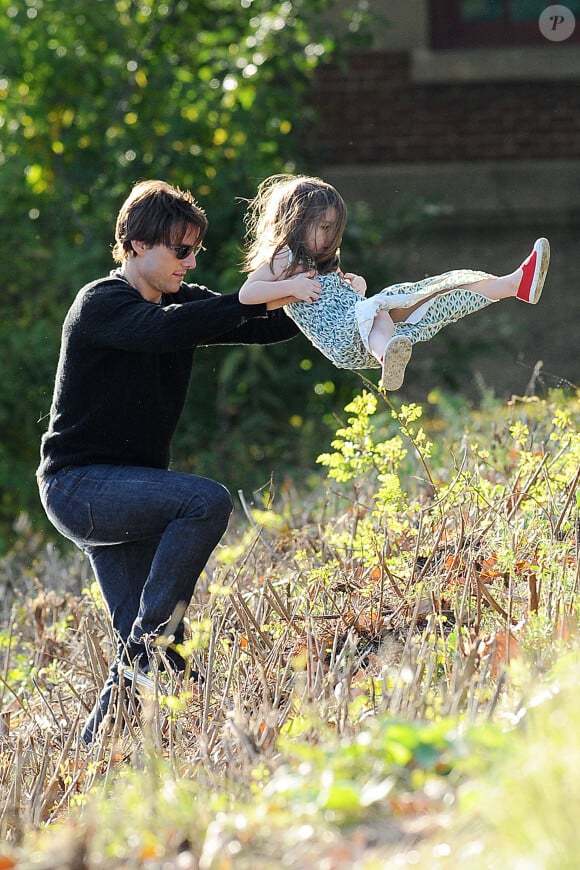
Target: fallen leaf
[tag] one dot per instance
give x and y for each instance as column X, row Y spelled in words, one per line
column 504, row 648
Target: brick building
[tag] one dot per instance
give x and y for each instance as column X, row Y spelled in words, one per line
column 473, row 104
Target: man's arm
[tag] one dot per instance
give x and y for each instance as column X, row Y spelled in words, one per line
column 272, row 327
column 261, row 325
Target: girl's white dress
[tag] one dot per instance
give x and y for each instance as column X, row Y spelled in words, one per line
column 339, row 322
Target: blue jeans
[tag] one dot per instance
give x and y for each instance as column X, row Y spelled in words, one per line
column 148, row 534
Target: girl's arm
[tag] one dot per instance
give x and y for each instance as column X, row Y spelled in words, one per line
column 265, row 284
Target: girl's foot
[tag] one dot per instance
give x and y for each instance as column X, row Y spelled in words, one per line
column 396, row 355
column 534, row 271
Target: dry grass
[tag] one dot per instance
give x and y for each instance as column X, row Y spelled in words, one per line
column 333, row 617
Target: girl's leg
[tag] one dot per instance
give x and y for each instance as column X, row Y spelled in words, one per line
column 381, row 333
column 448, row 305
column 528, row 280
column 444, row 309
column 391, row 351
column 525, row 283
column 493, row 288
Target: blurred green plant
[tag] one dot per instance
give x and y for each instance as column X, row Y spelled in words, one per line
column 94, row 96
column 211, row 96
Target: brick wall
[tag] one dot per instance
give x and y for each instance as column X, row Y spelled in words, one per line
column 372, row 112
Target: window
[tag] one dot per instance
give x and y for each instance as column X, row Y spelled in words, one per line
column 461, row 23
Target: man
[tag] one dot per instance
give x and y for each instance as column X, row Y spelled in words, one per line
column 125, row 363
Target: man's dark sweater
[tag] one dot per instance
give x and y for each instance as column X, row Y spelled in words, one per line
column 125, row 366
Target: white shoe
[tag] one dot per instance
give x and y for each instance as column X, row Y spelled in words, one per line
column 136, row 677
column 395, row 358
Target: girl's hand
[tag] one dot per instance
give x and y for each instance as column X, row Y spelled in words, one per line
column 357, row 282
column 304, row 287
column 271, row 287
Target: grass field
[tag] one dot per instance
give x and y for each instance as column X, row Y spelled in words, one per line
column 390, row 668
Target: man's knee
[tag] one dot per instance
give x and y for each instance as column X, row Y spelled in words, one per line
column 219, row 502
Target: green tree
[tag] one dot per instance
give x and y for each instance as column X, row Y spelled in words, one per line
column 209, row 95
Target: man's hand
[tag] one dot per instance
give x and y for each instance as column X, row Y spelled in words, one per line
column 357, row 282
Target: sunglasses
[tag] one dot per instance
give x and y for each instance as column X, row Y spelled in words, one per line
column 183, row 251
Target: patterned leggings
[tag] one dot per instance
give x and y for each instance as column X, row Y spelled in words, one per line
column 440, row 312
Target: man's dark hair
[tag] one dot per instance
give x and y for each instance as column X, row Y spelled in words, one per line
column 157, row 214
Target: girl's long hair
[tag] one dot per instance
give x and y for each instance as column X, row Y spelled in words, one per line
column 281, row 213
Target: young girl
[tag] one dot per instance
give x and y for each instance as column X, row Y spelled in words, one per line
column 295, row 225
